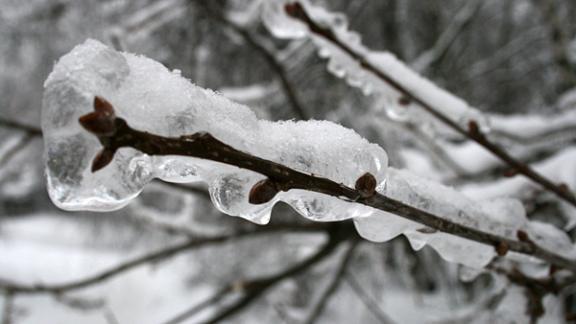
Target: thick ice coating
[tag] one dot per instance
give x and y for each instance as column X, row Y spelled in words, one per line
column 154, row 99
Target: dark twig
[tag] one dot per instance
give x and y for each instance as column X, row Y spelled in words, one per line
column 114, row 133
column 296, row 10
column 270, row 58
column 16, row 125
column 254, row 288
column 331, row 288
column 123, row 267
column 370, row 303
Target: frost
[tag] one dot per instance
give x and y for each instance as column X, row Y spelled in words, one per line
column 154, row 99
column 342, row 65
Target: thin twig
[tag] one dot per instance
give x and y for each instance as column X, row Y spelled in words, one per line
column 254, row 288
column 270, row 58
column 370, row 303
column 296, row 10
column 123, row 267
column 114, row 133
column 331, row 288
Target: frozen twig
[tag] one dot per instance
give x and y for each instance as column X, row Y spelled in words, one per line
column 296, row 10
column 115, row 133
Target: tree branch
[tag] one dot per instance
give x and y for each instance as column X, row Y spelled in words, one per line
column 272, row 61
column 125, row 266
column 114, row 133
column 256, row 287
column 296, row 10
column 35, row 131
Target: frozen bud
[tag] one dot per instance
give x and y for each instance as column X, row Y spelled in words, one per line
column 102, row 159
column 522, row 236
column 366, row 185
column 473, row 128
column 502, row 248
column 101, row 121
column 295, row 10
column 262, row 192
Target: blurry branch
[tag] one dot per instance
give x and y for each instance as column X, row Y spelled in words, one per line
column 460, row 21
column 114, row 133
column 505, row 53
column 7, row 310
column 265, row 53
column 144, row 21
column 125, row 266
column 17, row 147
column 318, row 307
column 536, row 288
column 254, row 288
column 16, row 125
column 30, row 133
column 435, row 150
column 560, row 44
column 370, row 303
column 296, row 10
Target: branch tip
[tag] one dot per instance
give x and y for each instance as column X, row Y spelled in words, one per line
column 100, row 122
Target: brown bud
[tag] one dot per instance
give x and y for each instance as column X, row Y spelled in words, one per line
column 502, row 248
column 366, row 185
column 103, row 107
column 101, row 122
column 262, row 192
column 427, row 230
column 473, row 128
column 102, row 159
column 404, row 101
column 294, row 9
column 523, row 236
column 564, row 187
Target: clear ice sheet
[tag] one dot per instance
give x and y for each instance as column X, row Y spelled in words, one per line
column 154, row 99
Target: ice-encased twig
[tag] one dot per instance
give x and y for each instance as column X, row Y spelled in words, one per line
column 394, row 80
column 311, row 165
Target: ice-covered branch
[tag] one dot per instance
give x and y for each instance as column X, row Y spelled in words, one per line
column 114, row 133
column 410, row 89
column 195, row 135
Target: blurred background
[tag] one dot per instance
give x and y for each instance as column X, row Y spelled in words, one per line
column 514, row 60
